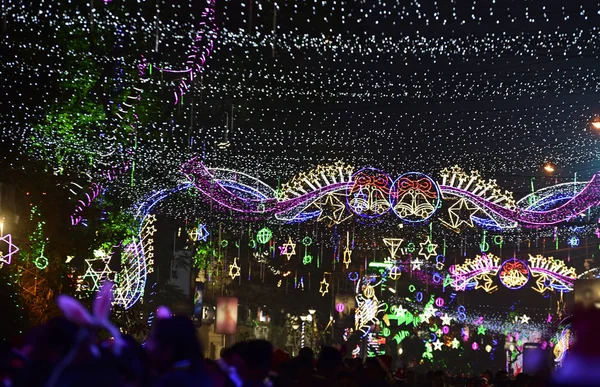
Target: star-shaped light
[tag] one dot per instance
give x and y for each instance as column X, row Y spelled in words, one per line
column 428, row 312
column 460, row 214
column 332, row 210
column 525, row 319
column 486, row 283
column 12, row 250
column 446, row 319
column 234, row 269
column 455, row 343
column 324, row 289
column 428, row 249
column 416, row 264
column 288, row 249
column 347, row 257
column 101, row 273
column 437, row 345
column 481, row 330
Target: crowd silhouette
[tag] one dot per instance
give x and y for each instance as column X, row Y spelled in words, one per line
column 85, row 349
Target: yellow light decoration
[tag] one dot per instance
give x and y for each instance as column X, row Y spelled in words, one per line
column 428, row 249
column 487, row 265
column 313, row 180
column 393, row 245
column 460, row 214
column 234, row 269
column 548, row 272
column 288, row 249
column 333, row 209
column 324, row 288
column 474, row 183
column 347, row 257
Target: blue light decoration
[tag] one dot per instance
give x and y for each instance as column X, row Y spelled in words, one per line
column 573, row 241
column 415, row 197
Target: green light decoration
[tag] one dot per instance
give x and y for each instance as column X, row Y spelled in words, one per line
column 237, row 245
column 224, row 243
column 498, row 240
column 381, row 265
column 307, row 260
column 401, row 335
column 41, row 262
column 410, row 247
column 385, row 332
column 307, row 241
column 481, row 330
column 252, row 244
column 264, row 235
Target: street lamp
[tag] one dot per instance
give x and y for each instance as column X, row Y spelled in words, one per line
column 549, row 167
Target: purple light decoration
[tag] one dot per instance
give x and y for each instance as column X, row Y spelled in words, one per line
column 340, row 307
column 12, row 249
column 439, row 302
column 95, row 191
column 445, row 329
column 353, row 276
column 205, row 182
column 586, row 198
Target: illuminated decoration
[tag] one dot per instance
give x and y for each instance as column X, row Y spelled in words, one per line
column 368, row 307
column 203, row 45
column 564, row 340
column 307, row 241
column 332, row 209
column 347, row 257
column 416, row 264
column 12, row 249
column 395, row 273
column 199, row 233
column 367, row 195
column 476, row 273
column 428, row 249
column 94, row 191
column 415, row 197
column 437, row 345
column 98, row 270
column 340, row 307
column 514, row 274
column 224, row 243
column 264, row 235
column 573, row 241
column 41, row 262
column 455, row 343
column 324, row 287
column 137, row 262
column 316, row 179
column 460, row 214
column 234, row 269
column 481, row 330
column 307, row 259
column 288, row 249
column 525, row 319
column 475, row 346
column 446, row 320
column 393, row 245
column 551, row 274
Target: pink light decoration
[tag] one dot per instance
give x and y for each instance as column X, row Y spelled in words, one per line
column 12, row 249
column 439, row 302
column 445, row 329
column 340, row 307
column 475, row 346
